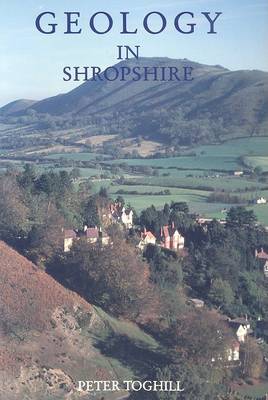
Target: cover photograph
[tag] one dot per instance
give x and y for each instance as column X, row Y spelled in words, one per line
column 134, row 200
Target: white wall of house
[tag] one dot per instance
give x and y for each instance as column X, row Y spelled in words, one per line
column 127, row 219
column 241, row 333
column 68, row 242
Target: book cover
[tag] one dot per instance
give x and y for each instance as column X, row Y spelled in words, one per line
column 133, row 200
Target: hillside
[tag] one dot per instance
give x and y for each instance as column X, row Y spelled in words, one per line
column 218, row 103
column 50, row 337
column 17, row 106
column 95, row 96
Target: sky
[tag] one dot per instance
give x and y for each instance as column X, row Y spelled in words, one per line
column 32, row 63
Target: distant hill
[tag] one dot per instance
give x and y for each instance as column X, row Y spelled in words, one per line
column 218, row 103
column 17, row 106
column 50, row 337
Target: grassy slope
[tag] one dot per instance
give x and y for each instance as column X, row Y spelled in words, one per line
column 38, row 327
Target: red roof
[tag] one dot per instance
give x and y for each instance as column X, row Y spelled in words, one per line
column 148, row 234
column 92, row 233
column 70, row 234
column 235, row 344
column 262, row 255
column 166, row 231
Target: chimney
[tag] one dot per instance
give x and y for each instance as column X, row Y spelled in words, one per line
column 85, row 228
column 161, row 231
column 173, row 225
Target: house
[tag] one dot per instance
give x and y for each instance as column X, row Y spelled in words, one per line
column 242, row 329
column 233, row 352
column 104, row 238
column 196, row 303
column 69, row 237
column 92, row 236
column 127, row 218
column 205, row 221
column 96, row 235
column 120, row 214
column 147, row 237
column 238, row 173
column 171, row 239
column 261, row 200
column 262, row 256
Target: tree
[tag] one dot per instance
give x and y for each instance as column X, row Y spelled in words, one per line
column 46, row 238
column 13, row 212
column 258, row 171
column 200, row 337
column 166, row 271
column 75, row 174
column 153, row 220
column 120, row 200
column 28, row 177
column 252, row 359
column 165, row 374
column 253, row 293
column 221, row 294
column 54, row 184
column 239, row 217
column 223, row 261
column 180, row 206
column 103, row 192
column 91, row 214
column 112, row 277
column 166, row 209
column 199, row 382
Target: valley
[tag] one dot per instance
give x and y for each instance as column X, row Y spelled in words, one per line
column 151, row 176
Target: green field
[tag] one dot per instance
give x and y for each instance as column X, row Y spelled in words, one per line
column 213, row 157
column 196, row 199
column 75, row 156
column 197, row 203
column 223, row 163
column 261, row 211
column 220, row 183
column 237, row 147
column 254, row 391
column 188, row 178
column 146, row 189
column 257, row 161
column 86, row 172
column 221, row 156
